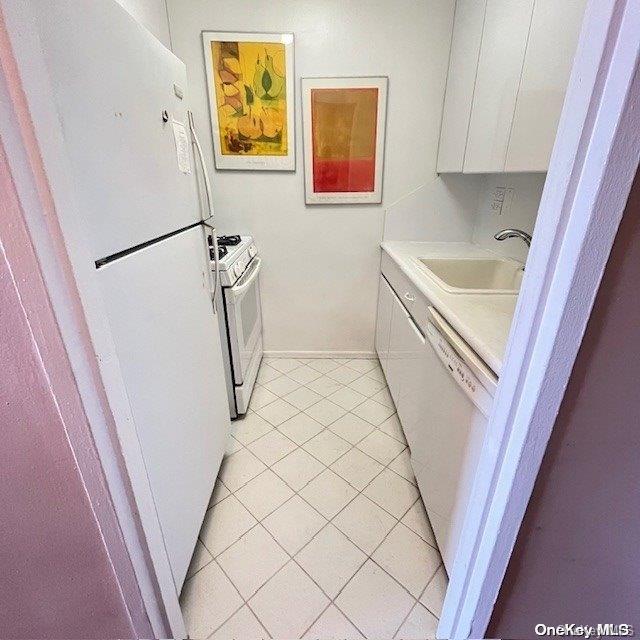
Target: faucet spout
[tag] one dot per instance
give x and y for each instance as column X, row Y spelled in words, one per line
column 514, row 233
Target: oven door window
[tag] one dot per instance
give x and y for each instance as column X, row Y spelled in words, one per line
column 244, row 318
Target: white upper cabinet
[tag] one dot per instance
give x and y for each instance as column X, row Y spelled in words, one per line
column 508, row 71
column 555, row 27
column 463, row 63
column 504, row 38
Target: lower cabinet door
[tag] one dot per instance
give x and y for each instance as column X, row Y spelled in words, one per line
column 399, row 343
column 412, row 398
column 383, row 322
column 407, row 371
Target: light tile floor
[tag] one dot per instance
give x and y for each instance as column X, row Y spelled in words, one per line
column 315, row 527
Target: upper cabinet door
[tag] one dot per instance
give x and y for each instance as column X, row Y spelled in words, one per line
column 555, row 27
column 463, row 63
column 504, row 41
column 508, row 71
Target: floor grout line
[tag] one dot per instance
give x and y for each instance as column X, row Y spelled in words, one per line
column 397, row 631
column 431, row 579
column 368, row 555
column 420, row 603
column 304, row 633
column 327, row 521
column 260, row 622
column 342, row 386
column 352, row 446
column 237, row 591
column 297, row 491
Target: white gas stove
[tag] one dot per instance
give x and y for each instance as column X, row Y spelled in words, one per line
column 234, row 255
column 240, row 316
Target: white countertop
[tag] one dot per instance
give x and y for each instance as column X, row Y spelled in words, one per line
column 483, row 320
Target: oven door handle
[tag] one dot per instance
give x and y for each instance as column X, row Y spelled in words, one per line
column 238, row 290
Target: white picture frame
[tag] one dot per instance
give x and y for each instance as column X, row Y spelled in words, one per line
column 232, row 148
column 314, row 192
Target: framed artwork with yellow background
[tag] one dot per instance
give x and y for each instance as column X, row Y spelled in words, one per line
column 344, row 130
column 250, row 85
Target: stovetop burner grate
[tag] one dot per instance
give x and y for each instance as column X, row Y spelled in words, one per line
column 222, row 252
column 229, row 241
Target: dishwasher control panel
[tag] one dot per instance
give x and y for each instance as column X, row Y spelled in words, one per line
column 459, row 371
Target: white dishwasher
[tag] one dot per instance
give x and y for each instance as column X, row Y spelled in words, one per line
column 455, row 405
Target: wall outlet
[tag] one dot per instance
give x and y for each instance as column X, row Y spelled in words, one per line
column 502, row 200
column 498, row 200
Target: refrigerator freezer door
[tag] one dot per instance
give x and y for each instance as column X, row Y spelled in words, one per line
column 168, row 347
column 112, row 82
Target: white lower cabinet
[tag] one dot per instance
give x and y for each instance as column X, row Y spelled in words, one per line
column 406, row 369
column 397, row 346
column 413, row 381
column 383, row 322
column 443, row 393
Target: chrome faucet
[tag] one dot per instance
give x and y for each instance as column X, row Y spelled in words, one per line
column 514, row 233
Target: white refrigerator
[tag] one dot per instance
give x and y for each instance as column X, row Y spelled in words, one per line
column 122, row 98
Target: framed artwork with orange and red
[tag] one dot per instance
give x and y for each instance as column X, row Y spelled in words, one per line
column 251, row 99
column 344, row 131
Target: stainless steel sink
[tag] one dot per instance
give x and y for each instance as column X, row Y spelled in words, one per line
column 474, row 275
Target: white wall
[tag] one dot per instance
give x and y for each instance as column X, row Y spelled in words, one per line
column 461, row 207
column 321, row 263
column 519, row 211
column 152, row 14
column 441, row 210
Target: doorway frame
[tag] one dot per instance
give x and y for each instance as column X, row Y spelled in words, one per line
column 593, row 163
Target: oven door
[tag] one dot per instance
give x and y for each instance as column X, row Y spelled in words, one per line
column 244, row 319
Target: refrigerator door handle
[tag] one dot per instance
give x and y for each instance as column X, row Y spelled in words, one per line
column 216, row 263
column 203, row 164
column 216, row 270
column 205, row 221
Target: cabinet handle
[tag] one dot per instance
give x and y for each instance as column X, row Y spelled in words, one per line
column 409, row 297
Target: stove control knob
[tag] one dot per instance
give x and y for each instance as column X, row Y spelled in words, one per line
column 237, row 269
column 252, row 250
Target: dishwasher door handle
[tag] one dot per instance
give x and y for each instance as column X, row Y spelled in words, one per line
column 485, row 376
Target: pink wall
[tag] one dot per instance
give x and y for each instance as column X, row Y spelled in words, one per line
column 56, row 576
column 577, row 555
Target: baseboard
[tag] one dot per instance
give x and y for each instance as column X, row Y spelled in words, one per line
column 320, row 354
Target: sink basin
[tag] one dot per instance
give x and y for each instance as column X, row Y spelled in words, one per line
column 474, row 275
